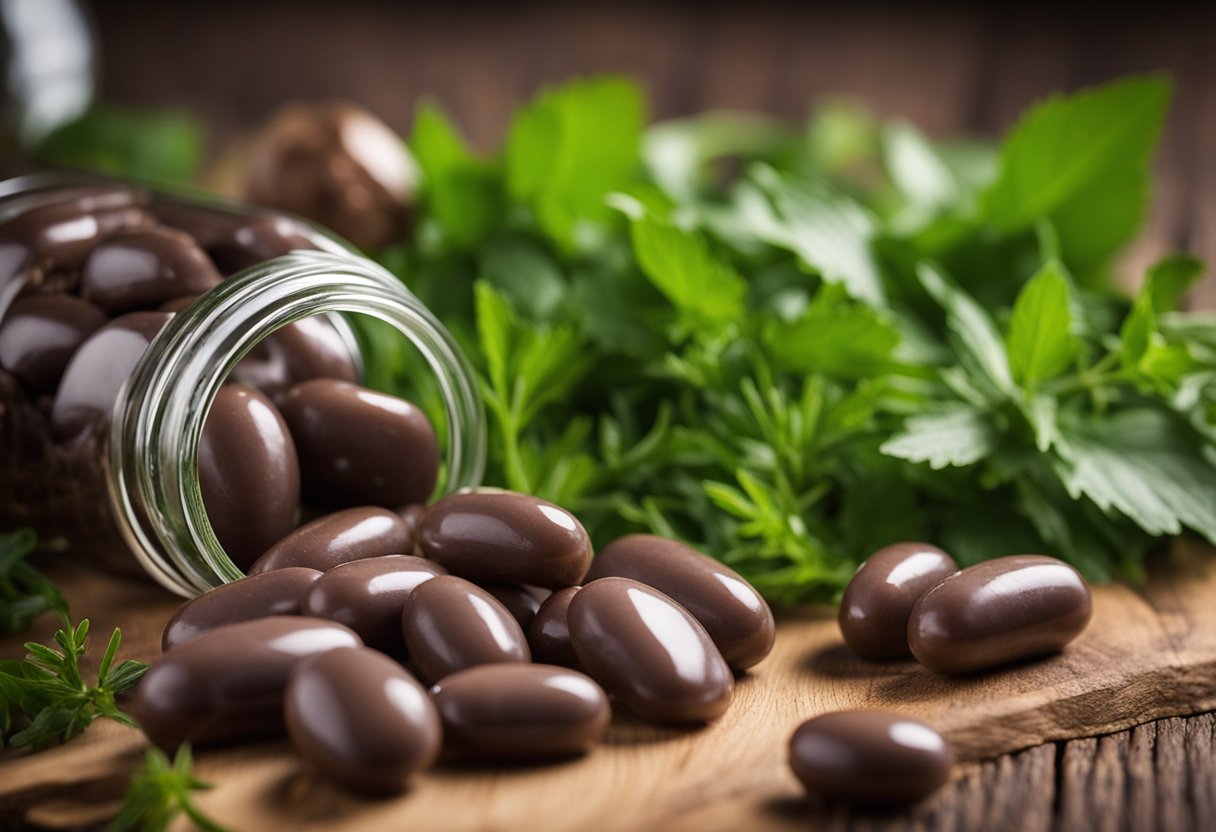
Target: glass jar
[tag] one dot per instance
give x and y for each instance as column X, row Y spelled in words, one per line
column 129, row 492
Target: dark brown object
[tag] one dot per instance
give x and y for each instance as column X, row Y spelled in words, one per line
column 874, row 609
column 338, row 538
column 737, row 619
column 549, row 632
column 276, row 593
column 228, row 683
column 869, row 757
column 360, row 447
column 521, row 712
column 369, row 596
column 648, row 651
column 337, row 164
column 255, row 241
column 997, row 612
column 451, row 624
column 140, row 270
column 362, row 719
column 98, row 370
column 307, row 349
column 248, row 473
column 521, row 603
column 38, row 335
column 505, row 537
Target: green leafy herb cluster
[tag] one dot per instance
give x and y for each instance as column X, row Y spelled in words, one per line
column 160, row 792
column 794, row 345
column 24, row 592
column 44, row 699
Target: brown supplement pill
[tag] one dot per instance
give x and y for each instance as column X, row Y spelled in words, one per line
column 228, row 683
column 997, row 612
column 142, row 269
column 369, row 596
column 505, row 537
column 360, row 718
column 521, row 712
column 38, row 335
column 338, row 538
column 877, row 602
column 730, row 609
column 307, row 349
column 869, row 757
column 275, row 593
column 549, row 632
column 248, row 472
column 648, row 651
column 451, row 624
column 360, row 447
column 521, row 603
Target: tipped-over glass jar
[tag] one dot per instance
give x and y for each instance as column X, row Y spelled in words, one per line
column 122, row 313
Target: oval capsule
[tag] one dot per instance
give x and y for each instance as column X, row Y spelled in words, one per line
column 997, row 612
column 730, row 609
column 308, row 349
column 358, row 446
column 369, row 596
column 39, row 334
column 228, row 683
column 142, row 269
column 648, row 651
column 98, row 370
column 869, row 757
column 505, row 537
column 521, row 712
column 878, row 601
column 451, row 624
column 518, row 601
column 248, row 473
column 252, row 242
column 276, row 593
column 361, row 719
column 549, row 630
column 353, row 534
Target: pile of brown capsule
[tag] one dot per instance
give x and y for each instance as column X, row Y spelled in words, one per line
column 911, row 600
column 480, row 626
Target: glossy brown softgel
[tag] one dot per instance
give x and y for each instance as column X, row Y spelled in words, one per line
column 874, row 610
column 997, row 612
column 275, row 593
column 339, row 538
column 521, row 712
column 869, row 757
column 649, row 652
column 505, row 537
column 360, row 718
column 729, row 608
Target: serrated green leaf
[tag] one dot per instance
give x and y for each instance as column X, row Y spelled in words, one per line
column 835, row 337
column 956, row 437
column 1041, row 344
column 976, row 332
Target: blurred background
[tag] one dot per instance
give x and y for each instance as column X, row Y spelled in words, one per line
column 949, row 68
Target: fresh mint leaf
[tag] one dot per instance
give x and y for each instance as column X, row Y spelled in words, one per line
column 1041, row 344
column 1171, row 278
column 461, row 192
column 525, row 274
column 970, row 324
column 921, row 176
column 570, row 147
column 155, row 146
column 834, row 336
column 958, row 436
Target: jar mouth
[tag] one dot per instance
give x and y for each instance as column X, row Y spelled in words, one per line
column 158, row 419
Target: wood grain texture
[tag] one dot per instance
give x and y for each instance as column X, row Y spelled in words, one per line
column 1148, row 653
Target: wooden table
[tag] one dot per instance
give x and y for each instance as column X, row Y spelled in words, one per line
column 949, row 69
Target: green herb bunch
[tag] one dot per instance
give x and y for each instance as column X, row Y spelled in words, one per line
column 793, row 345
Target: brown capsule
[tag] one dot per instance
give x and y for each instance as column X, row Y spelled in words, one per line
column 142, row 269
column 997, row 612
column 369, row 596
column 412, row 515
column 248, row 472
column 358, row 446
column 505, row 537
column 451, row 624
column 869, row 757
column 521, row 712
column 228, row 683
column 276, row 593
column 521, row 603
column 549, row 631
column 307, row 349
column 98, row 370
column 361, row 719
column 353, row 534
column 730, row 609
column 257, row 240
column 878, row 601
column 648, row 651
column 39, row 334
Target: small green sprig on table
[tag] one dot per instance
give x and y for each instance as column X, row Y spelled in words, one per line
column 161, row 791
column 25, row 593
